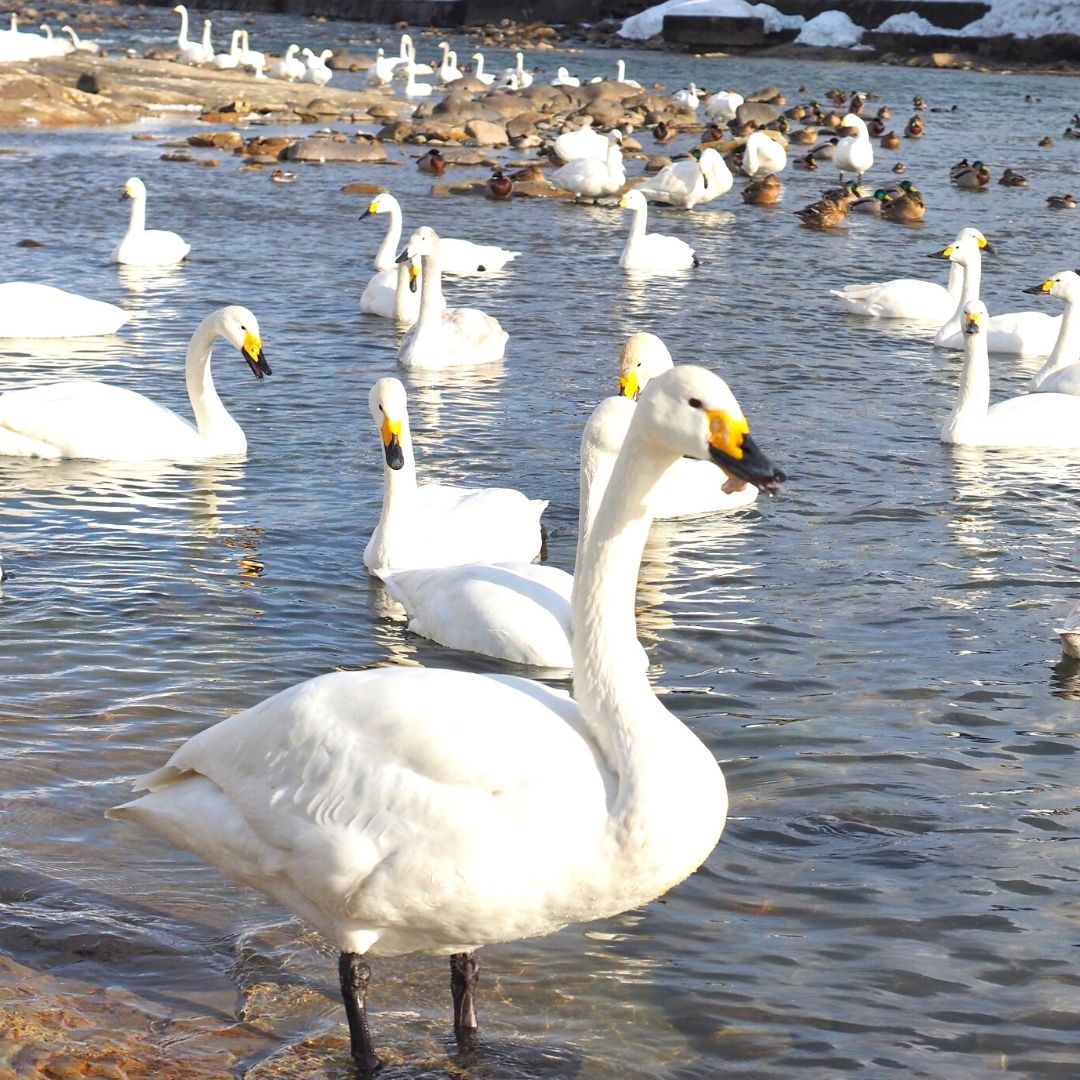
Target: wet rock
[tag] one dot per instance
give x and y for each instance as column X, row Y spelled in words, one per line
column 397, row 131
column 321, row 107
column 208, row 163
column 757, row 113
column 328, row 150
column 362, row 189
column 384, row 110
column 177, row 155
column 769, row 94
column 486, row 133
column 219, row 140
column 656, row 163
column 523, row 124
column 343, row 60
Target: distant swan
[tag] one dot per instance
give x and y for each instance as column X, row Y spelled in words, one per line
column 141, row 246
column 651, row 251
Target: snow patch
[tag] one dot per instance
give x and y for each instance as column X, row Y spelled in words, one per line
column 649, row 23
column 910, row 23
column 830, row 28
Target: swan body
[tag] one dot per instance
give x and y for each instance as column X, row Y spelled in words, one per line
column 1032, row 420
column 854, row 153
column 483, row 76
column 448, row 71
column 1020, row 333
column 1069, row 632
column 141, row 246
column 690, row 183
column 564, row 78
column 87, row 419
column 408, row 58
column 763, row 155
column 391, row 294
column 461, row 257
column 54, row 46
column 582, row 142
column 438, row 524
column 445, row 337
column 250, row 57
column 191, row 52
column 651, row 251
column 413, row 89
column 722, row 106
column 1061, row 372
column 315, row 69
column 231, row 59
column 410, row 809
column 517, row 77
column 29, row 310
column 688, row 98
column 288, row 67
column 620, row 75
column 592, row 178
column 382, row 71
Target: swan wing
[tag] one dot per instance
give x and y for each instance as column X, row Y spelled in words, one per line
column 900, row 298
column 1064, row 381
column 464, row 257
column 31, row 310
column 1034, row 420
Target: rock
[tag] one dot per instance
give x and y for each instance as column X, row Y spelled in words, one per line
column 384, row 111
column 320, row 150
column 208, row 163
column 177, row 155
column 219, row 140
column 757, row 113
column 769, row 94
column 466, row 155
column 523, row 124
column 321, row 107
column 272, row 147
column 630, row 145
column 343, row 60
column 362, row 189
column 93, row 82
column 397, row 131
column 486, row 133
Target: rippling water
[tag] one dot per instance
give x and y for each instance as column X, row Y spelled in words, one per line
column 870, row 654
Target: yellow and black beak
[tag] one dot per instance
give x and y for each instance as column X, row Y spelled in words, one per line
column 373, row 208
column 731, row 447
column 391, row 439
column 1039, row 290
column 971, row 322
column 942, row 254
column 628, row 385
column 414, row 274
column 253, row 353
column 126, row 194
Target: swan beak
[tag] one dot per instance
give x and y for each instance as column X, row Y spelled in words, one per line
column 971, row 321
column 942, row 254
column 391, row 438
column 985, row 244
column 373, row 208
column 731, row 447
column 403, row 256
column 414, row 273
column 623, row 203
column 1038, row 290
column 253, row 353
column 126, row 194
column 628, row 385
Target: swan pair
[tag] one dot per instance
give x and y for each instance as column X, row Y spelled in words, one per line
column 141, row 246
column 703, row 177
column 651, row 251
column 403, row 810
column 29, row 310
column 87, row 419
column 288, row 67
column 193, row 52
column 448, row 71
column 593, row 177
column 517, row 78
column 315, row 69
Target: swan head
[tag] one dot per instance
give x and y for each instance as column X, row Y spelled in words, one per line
column 180, row 9
column 856, row 122
column 1065, row 284
column 975, row 318
column 425, row 241
column 965, row 248
column 134, row 189
column 633, row 200
column 381, row 204
column 239, row 327
column 690, row 411
column 389, row 409
column 643, row 357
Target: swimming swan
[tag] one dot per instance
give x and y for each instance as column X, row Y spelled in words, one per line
column 1069, row 632
column 699, row 179
column 440, row 524
column 445, row 337
column 651, row 251
column 1061, row 372
column 87, row 419
column 29, row 310
column 591, row 178
column 391, row 294
column 408, row 810
column 455, row 256
column 1032, row 420
column 142, row 246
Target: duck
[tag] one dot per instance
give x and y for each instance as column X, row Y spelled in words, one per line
column 1044, row 420
column 762, row 155
column 30, row 310
column 445, row 337
column 1018, row 333
column 890, row 141
column 1011, row 178
column 827, row 150
column 763, row 192
column 906, row 205
column 824, row 214
column 910, row 298
column 723, row 105
column 593, row 178
column 854, row 153
column 564, row 78
column 498, row 186
column 806, row 136
column 875, row 126
column 972, row 177
column 1061, row 202
column 1046, row 141
column 479, row 73
column 283, row 176
column 432, row 162
column 393, row 294
column 699, row 179
column 141, row 246
column 663, row 132
column 447, row 71
column 1061, row 372
column 437, row 524
column 871, row 204
column 288, row 67
column 651, row 251
column 462, row 257
column 1069, row 634
column 92, row 420
column 363, row 800
column 915, row 127
column 807, row 161
column 532, row 174
column 582, row 142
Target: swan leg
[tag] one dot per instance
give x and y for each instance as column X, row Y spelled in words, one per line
column 464, row 974
column 355, row 975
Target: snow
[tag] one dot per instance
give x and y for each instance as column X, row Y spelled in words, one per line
column 1027, row 18
column 830, row 28
column 910, row 23
column 649, row 23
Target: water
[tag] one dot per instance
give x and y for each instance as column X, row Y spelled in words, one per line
column 870, row 654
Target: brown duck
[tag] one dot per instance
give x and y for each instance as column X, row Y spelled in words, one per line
column 1009, row 178
column 763, row 192
column 973, row 176
column 915, row 127
column 499, row 186
column 432, row 162
column 663, row 133
column 824, row 214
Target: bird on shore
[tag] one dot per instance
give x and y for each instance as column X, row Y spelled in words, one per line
column 498, row 186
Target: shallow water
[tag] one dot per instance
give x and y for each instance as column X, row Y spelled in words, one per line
column 870, row 654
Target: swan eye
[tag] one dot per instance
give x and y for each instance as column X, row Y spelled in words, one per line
column 694, row 403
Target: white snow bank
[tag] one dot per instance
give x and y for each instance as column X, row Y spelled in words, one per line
column 1027, row 18
column 649, row 23
column 830, row 28
column 910, row 23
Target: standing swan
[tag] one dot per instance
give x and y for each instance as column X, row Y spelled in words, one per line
column 1061, row 372
column 87, row 419
column 425, row 810
column 651, row 251
column 593, row 177
column 854, row 153
column 142, row 246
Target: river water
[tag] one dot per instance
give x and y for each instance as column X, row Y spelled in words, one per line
column 870, row 654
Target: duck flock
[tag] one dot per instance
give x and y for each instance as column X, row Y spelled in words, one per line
column 413, row 809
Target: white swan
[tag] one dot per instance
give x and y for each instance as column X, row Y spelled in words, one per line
column 191, row 52
column 1061, row 372
column 620, row 75
column 582, row 142
column 688, row 487
column 250, row 57
column 1069, row 632
column 29, row 310
column 517, row 77
column 688, row 98
column 701, row 178
column 910, row 298
column 486, row 77
column 447, row 71
column 54, row 46
column 651, row 251
column 315, row 69
column 382, row 71
column 413, row 89
column 1017, row 333
column 564, row 78
column 142, row 246
column 445, row 337
column 854, row 153
column 392, row 294
column 439, row 524
column 80, row 44
column 410, row 809
column 231, row 59
column 456, row 256
column 408, row 58
column 722, row 105
column 1032, row 420
column 763, row 155
column 288, row 67
column 87, row 419
column 592, row 178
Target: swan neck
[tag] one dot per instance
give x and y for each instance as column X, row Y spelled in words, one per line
column 387, row 253
column 1066, row 351
column 137, row 221
column 399, row 489
column 971, row 280
column 211, row 418
column 973, row 397
column 401, row 293
column 956, row 281
column 432, row 303
column 182, row 38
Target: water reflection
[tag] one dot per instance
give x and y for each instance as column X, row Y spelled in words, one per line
column 152, row 281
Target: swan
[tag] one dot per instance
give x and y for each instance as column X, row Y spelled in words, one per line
column 1019, row 333
column 54, row 46
column 448, row 71
column 517, row 77
column 1032, row 420
column 651, row 251
column 722, row 105
column 688, row 98
column 315, row 69
column 382, row 72
column 142, row 246
column 564, row 78
column 1061, row 372
column 404, row 810
column 699, row 179
column 231, row 59
column 582, row 142
column 191, row 52
column 88, row 419
column 591, row 178
column 1069, row 632
column 408, row 58
column 620, row 75
column 413, row 89
column 29, row 310
column 483, row 76
column 854, row 153
column 456, row 256
column 392, row 294
column 763, row 155
column 439, row 524
column 445, row 337
column 288, row 67
column 250, row 57
column 910, row 298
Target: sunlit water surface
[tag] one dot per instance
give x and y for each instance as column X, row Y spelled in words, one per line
column 870, row 655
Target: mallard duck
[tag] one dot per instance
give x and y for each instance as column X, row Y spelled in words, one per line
column 432, row 162
column 871, row 204
column 827, row 150
column 714, row 133
column 906, row 208
column 858, row 101
column 499, row 186
column 1072, row 133
column 531, row 173
column 918, row 102
column 280, row 176
column 1061, row 202
column 807, row 161
column 1046, row 141
column 849, row 193
column 899, row 167
column 915, row 127
column 824, row 214
column 805, row 135
column 884, row 112
column 663, row 133
column 796, row 112
column 763, row 192
column 876, row 126
column 973, row 176
column 890, row 141
column 1009, row 178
